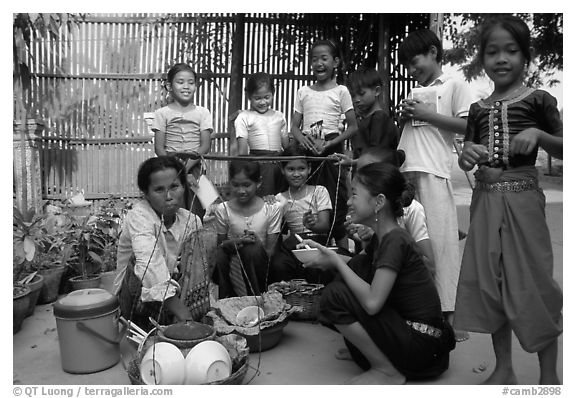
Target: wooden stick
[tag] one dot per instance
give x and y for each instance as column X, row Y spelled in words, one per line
column 301, row 240
column 466, row 173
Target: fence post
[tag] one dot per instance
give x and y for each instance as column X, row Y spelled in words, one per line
column 384, row 59
column 235, row 91
column 27, row 177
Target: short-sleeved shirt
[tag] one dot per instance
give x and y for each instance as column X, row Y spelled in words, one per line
column 375, row 130
column 316, row 199
column 414, row 294
column 266, row 221
column 153, row 249
column 414, row 221
column 495, row 124
column 428, row 148
column 326, row 105
column 182, row 129
column 263, row 132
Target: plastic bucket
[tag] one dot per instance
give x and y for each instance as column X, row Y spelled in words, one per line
column 88, row 330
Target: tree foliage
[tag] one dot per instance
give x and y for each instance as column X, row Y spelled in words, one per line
column 25, row 25
column 356, row 36
column 463, row 30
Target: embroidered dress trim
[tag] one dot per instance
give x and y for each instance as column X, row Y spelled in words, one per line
column 499, row 133
column 425, row 329
column 508, row 186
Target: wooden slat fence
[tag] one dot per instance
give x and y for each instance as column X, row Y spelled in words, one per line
column 94, row 84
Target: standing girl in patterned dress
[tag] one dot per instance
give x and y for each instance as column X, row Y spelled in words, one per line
column 506, row 279
column 261, row 131
column 182, row 126
column 315, row 126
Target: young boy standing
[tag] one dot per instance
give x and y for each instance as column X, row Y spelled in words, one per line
column 428, row 128
column 375, row 127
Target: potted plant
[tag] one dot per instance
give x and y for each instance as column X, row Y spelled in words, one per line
column 21, row 294
column 37, row 254
column 82, row 252
column 110, row 214
column 27, row 235
column 91, row 243
column 51, row 267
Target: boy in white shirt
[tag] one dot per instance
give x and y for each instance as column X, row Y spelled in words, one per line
column 427, row 139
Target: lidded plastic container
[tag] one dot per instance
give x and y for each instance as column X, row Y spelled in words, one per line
column 88, row 330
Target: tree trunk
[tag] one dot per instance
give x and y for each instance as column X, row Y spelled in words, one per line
column 437, row 23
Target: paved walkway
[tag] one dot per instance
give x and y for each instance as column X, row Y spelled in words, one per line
column 305, row 356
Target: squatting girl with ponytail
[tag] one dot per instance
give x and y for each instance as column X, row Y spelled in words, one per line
column 384, row 302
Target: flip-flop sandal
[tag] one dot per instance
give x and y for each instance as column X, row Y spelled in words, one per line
column 343, row 354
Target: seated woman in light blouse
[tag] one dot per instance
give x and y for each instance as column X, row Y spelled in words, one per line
column 153, row 233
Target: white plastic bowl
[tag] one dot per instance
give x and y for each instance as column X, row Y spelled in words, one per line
column 306, row 255
column 163, row 363
column 206, row 362
column 249, row 316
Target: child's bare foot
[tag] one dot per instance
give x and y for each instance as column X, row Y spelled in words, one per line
column 461, row 335
column 501, row 377
column 549, row 380
column 378, row 377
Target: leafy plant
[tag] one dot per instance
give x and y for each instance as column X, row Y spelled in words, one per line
column 37, row 241
column 52, row 238
column 91, row 241
column 26, row 234
column 110, row 215
column 83, row 242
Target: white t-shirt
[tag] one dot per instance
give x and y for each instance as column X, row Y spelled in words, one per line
column 315, row 199
column 263, row 132
column 414, row 221
column 429, row 149
column 327, row 106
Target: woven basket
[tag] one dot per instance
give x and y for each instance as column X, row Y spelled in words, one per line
column 237, row 376
column 299, row 293
column 239, row 366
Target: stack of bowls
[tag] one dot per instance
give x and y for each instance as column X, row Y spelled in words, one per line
column 164, row 363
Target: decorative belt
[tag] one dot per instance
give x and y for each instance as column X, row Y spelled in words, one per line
column 508, row 186
column 425, row 329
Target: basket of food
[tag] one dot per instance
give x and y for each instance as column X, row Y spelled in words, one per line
column 204, row 360
column 299, row 293
column 259, row 319
column 185, row 335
